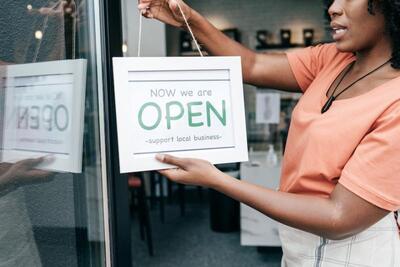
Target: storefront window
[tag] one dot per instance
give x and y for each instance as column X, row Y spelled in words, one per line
column 51, row 171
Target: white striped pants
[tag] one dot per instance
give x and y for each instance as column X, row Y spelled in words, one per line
column 378, row 246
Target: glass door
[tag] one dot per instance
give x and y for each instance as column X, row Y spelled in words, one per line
column 53, row 176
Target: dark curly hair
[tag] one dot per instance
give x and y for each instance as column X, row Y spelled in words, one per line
column 391, row 12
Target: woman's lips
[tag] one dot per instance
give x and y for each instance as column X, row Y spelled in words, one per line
column 339, row 30
column 338, row 33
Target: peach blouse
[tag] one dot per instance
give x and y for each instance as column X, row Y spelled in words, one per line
column 355, row 143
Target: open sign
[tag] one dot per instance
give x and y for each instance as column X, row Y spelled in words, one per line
column 44, row 113
column 204, row 114
column 48, row 117
column 190, row 107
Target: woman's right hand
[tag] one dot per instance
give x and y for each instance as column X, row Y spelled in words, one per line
column 166, row 11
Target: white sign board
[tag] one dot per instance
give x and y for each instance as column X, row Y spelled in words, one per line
column 44, row 113
column 268, row 107
column 188, row 107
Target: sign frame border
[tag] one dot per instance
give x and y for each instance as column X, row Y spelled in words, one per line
column 123, row 65
column 78, row 67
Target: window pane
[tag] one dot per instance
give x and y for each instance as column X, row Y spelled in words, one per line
column 51, row 194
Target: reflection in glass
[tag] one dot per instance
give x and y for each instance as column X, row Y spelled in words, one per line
column 44, row 112
column 50, row 166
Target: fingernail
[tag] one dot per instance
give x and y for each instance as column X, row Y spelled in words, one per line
column 160, row 157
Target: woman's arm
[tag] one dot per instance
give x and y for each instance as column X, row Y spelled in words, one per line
column 342, row 215
column 264, row 70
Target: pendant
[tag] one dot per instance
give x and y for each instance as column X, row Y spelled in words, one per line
column 328, row 104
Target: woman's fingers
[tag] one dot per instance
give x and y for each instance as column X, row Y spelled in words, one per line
column 172, row 174
column 145, row 10
column 189, row 171
column 168, row 159
column 167, row 11
column 143, row 6
column 149, row 15
column 30, row 163
column 173, row 5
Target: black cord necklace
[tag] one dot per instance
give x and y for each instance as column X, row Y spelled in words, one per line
column 333, row 97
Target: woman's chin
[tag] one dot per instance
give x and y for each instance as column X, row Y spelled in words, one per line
column 345, row 48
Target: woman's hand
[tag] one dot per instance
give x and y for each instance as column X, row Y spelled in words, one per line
column 166, row 11
column 24, row 172
column 190, row 171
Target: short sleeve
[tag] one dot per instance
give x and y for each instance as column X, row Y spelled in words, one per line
column 306, row 63
column 373, row 171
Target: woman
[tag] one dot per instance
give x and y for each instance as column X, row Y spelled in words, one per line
column 339, row 184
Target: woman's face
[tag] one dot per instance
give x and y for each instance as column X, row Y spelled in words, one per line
column 353, row 28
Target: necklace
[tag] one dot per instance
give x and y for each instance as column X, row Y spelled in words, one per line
column 333, row 97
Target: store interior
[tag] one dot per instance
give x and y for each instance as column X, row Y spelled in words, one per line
column 176, row 225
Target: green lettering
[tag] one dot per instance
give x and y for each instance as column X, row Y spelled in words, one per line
column 221, row 118
column 177, row 117
column 192, row 114
column 157, row 122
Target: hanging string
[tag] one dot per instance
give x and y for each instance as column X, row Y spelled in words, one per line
column 125, row 15
column 190, row 29
column 26, row 49
column 43, row 30
column 75, row 17
column 140, row 33
column 187, row 25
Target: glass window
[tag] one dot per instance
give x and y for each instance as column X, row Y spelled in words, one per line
column 51, row 172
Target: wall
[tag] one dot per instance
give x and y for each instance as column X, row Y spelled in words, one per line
column 250, row 16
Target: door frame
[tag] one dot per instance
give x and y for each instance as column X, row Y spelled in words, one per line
column 117, row 184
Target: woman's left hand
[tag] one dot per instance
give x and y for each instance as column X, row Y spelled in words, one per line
column 190, row 171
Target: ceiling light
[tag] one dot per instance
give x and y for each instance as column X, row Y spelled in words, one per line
column 124, row 48
column 38, row 35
